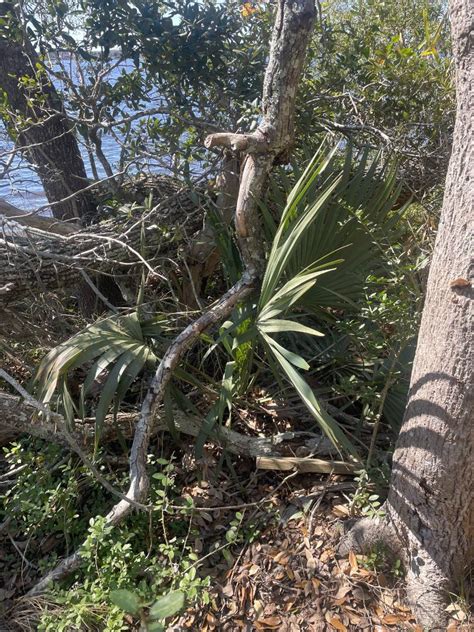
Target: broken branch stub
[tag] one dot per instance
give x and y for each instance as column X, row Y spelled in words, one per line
column 275, row 134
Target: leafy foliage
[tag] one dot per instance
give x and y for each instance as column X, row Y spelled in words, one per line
column 148, row 562
column 318, row 264
column 331, row 211
column 381, row 72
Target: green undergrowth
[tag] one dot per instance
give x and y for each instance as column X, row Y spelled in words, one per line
column 137, row 574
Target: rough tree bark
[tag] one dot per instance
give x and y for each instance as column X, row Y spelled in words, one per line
column 35, row 119
column 430, row 508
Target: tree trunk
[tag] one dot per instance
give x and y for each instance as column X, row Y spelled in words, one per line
column 430, row 508
column 36, row 121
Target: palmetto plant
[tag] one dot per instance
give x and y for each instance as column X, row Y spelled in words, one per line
column 329, row 234
column 328, row 237
column 119, row 348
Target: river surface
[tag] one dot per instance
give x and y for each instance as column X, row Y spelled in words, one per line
column 21, row 186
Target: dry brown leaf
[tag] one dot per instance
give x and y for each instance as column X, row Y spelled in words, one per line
column 342, row 591
column 336, row 623
column 254, row 569
column 326, row 555
column 460, row 282
column 310, row 559
column 211, row 619
column 387, row 599
column 354, row 619
column 353, row 562
column 401, row 607
column 273, row 623
column 393, row 619
column 258, row 608
column 338, row 602
column 456, row 612
column 282, row 558
column 341, row 511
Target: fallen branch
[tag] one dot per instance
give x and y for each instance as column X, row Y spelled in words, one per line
column 43, row 412
column 304, row 464
column 32, row 220
column 18, row 416
column 33, row 261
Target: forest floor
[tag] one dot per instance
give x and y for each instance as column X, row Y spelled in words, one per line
column 283, row 573
column 290, row 577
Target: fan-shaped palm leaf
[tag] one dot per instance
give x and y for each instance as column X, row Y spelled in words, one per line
column 331, row 212
column 122, row 347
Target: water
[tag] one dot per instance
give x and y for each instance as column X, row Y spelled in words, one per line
column 21, row 186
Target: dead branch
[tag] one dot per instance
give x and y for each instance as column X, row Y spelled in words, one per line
column 18, row 416
column 293, row 24
column 304, row 464
column 46, row 224
column 34, row 262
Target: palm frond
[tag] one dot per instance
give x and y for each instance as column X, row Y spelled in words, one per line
column 332, row 211
column 118, row 348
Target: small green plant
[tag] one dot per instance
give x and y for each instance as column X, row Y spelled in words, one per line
column 151, row 555
column 397, row 568
column 365, row 500
column 376, row 560
column 152, row 615
column 49, row 489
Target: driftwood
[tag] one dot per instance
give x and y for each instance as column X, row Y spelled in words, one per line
column 33, row 261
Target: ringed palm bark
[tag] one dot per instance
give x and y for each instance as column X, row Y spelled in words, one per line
column 430, row 508
column 35, row 119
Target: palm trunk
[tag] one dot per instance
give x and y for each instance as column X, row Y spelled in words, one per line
column 430, row 508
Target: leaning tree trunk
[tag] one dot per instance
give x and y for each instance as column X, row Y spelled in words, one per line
column 430, row 508
column 35, row 119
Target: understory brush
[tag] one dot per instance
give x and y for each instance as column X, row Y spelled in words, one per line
column 331, row 334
